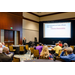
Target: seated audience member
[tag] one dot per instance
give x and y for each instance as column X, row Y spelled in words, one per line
column 56, row 48
column 45, row 53
column 39, row 47
column 6, row 52
column 70, row 55
column 65, row 46
column 3, row 44
column 32, row 45
column 4, row 57
column 1, row 47
column 42, row 45
column 60, row 43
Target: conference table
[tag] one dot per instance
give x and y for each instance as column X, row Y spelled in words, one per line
column 17, row 48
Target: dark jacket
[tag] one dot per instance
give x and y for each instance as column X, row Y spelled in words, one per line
column 24, row 42
column 5, row 58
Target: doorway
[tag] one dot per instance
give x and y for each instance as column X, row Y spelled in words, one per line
column 11, row 37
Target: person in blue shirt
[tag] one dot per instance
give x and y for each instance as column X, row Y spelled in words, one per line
column 70, row 57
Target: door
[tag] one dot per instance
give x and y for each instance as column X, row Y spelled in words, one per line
column 8, row 37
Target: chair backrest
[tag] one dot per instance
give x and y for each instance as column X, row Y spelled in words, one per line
column 36, row 53
column 37, row 44
column 6, row 45
column 48, row 46
column 27, row 47
column 32, row 50
column 44, row 57
column 16, row 59
column 11, row 48
column 72, row 47
column 21, row 48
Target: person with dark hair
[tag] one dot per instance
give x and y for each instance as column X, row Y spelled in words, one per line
column 35, row 39
column 39, row 47
column 60, row 43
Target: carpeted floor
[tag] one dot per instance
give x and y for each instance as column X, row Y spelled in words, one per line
column 26, row 56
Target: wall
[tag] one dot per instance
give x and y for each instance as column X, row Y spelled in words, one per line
column 2, row 35
column 58, row 16
column 30, row 28
column 16, row 38
column 14, row 20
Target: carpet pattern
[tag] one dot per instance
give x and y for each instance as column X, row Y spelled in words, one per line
column 23, row 57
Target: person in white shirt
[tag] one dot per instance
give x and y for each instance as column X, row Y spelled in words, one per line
column 3, row 45
column 1, row 49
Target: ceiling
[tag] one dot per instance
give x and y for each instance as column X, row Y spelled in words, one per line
column 43, row 13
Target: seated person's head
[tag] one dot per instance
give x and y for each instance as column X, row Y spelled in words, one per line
column 32, row 44
column 45, row 52
column 65, row 45
column 45, row 48
column 6, row 50
column 69, row 50
column 57, row 44
column 40, row 44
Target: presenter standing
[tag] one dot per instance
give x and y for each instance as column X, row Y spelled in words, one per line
column 24, row 41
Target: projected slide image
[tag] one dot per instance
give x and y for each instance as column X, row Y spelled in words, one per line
column 57, row 30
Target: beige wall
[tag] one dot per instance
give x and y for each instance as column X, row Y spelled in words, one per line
column 30, row 25
column 58, row 16
column 30, row 30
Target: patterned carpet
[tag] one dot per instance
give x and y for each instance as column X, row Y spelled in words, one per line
column 26, row 56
